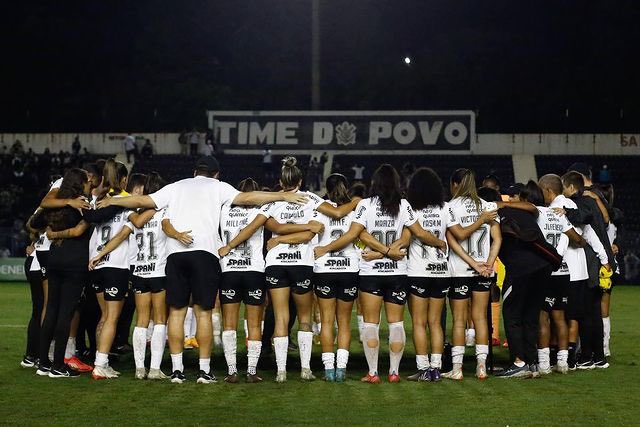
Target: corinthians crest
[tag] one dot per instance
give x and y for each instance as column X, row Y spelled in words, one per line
column 346, row 133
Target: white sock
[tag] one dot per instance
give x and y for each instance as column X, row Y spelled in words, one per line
column 371, row 332
column 606, row 329
column 70, row 351
column 261, row 326
column 543, row 358
column 396, row 335
column 205, row 365
column 52, row 347
column 157, row 345
column 563, row 356
column 217, row 323
column 253, row 354
column 281, row 345
column 102, row 359
column 176, row 362
column 457, row 354
column 305, row 344
column 188, row 318
column 422, row 361
column 139, row 346
column 481, row 352
column 328, row 359
column 342, row 358
column 229, row 344
column 317, row 329
column 360, row 318
column 436, row 360
column 246, row 329
column 150, row 330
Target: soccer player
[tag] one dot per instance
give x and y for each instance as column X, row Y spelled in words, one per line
column 474, row 228
column 34, row 277
column 193, row 269
column 242, row 281
column 383, row 270
column 289, row 262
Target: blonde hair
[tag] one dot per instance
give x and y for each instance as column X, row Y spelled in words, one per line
column 465, row 180
column 290, row 174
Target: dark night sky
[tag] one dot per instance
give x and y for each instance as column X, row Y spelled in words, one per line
column 89, row 65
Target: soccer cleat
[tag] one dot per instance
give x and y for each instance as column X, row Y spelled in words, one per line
column 281, row 377
column 601, row 364
column 454, row 374
column 373, row 379
column 177, row 377
column 156, row 374
column 102, row 373
column 481, row 371
column 562, row 368
column 394, row 378
column 434, row 374
column 253, row 378
column 77, row 364
column 28, row 362
column 421, row 375
column 495, row 342
column 63, row 372
column 341, row 375
column 534, row 370
column 514, row 371
column 141, row 373
column 206, row 378
column 112, row 371
column 586, row 365
column 330, row 375
column 43, row 370
column 544, row 370
column 306, row 375
column 231, row 378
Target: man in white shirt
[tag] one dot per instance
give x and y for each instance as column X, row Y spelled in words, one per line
column 130, row 147
column 193, row 269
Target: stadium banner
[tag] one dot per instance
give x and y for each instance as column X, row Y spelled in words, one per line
column 12, row 270
column 340, row 130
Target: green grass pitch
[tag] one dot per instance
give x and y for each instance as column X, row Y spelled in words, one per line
column 608, row 397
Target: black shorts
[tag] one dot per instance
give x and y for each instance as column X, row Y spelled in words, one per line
column 556, row 293
column 428, row 287
column 143, row 285
column 343, row 286
column 298, row 278
column 192, row 275
column 577, row 299
column 462, row 287
column 242, row 286
column 392, row 287
column 114, row 282
column 43, row 260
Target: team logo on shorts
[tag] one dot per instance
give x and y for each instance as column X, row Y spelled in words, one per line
column 304, row 284
column 464, row 289
column 324, row 290
column 565, row 300
column 112, row 291
column 351, row 291
column 485, row 284
column 550, row 301
column 228, row 293
column 399, row 295
column 257, row 294
column 272, row 280
column 418, row 290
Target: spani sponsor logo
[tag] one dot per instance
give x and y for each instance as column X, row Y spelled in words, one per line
column 385, row 265
column 289, row 257
column 346, row 262
column 239, row 263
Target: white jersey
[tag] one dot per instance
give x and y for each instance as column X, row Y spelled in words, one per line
column 247, row 256
column 35, row 264
column 150, row 244
column 553, row 227
column 345, row 260
column 194, row 204
column 386, row 229
column 119, row 257
column 574, row 257
column 463, row 211
column 43, row 243
column 424, row 260
column 291, row 213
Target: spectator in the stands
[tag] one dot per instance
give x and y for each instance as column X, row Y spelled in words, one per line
column 358, row 172
column 130, row 147
column 207, row 150
column 147, row 149
column 17, row 148
column 182, row 140
column 267, row 163
column 323, row 161
column 75, row 146
column 604, row 177
column 194, row 141
column 313, row 174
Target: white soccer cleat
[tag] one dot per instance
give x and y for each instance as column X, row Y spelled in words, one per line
column 454, row 374
column 562, row 368
column 545, row 369
column 481, row 371
column 141, row 373
column 103, row 372
column 307, row 375
column 156, row 374
column 281, row 377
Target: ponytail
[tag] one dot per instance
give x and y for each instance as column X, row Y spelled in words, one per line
column 290, row 175
column 113, row 174
column 466, row 182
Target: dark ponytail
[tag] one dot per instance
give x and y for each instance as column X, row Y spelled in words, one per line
column 385, row 185
column 337, row 190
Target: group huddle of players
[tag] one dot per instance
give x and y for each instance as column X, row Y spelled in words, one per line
column 179, row 248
